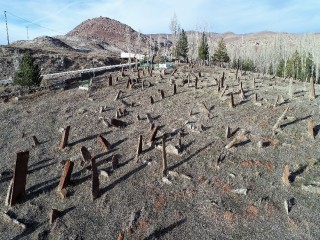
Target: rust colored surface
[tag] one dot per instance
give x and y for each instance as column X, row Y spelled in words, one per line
column 64, row 139
column 162, row 94
column 251, row 211
column 139, row 150
column 310, row 128
column 105, row 144
column 129, row 82
column 153, row 134
column 115, row 162
column 118, row 95
column 54, row 214
column 110, row 80
column 121, row 236
column 86, row 155
column 66, row 175
column 228, row 132
column 95, row 179
column 19, row 177
column 231, row 103
column 35, row 140
column 229, row 216
column 164, row 158
column 117, row 123
column 285, row 176
column 222, row 81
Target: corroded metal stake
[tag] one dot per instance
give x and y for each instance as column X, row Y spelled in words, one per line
column 139, row 149
column 66, row 175
column 95, row 179
column 19, row 178
column 105, row 144
column 64, row 139
column 164, row 158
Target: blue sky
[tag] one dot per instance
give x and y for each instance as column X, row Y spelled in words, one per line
column 151, row 16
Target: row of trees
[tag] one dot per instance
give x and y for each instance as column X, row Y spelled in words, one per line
column 183, row 49
column 279, row 54
column 219, row 57
column 296, row 67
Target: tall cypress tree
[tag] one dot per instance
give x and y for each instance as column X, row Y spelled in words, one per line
column 182, row 45
column 203, row 51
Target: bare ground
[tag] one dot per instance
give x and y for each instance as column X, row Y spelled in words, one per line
column 201, row 202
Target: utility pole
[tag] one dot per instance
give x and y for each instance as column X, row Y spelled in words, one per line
column 27, row 33
column 5, row 16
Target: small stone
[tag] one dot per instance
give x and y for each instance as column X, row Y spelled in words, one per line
column 85, row 87
column 232, row 175
column 243, row 191
column 166, row 181
column 185, row 176
column 286, row 207
column 173, row 174
column 104, row 174
column 63, row 193
column 18, row 98
column 170, row 149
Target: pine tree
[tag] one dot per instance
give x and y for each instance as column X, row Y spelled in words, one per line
column 182, row 45
column 203, row 51
column 28, row 73
column 293, row 68
column 309, row 69
column 280, row 68
column 221, row 55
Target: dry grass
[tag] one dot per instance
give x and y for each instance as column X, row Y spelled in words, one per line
column 203, row 206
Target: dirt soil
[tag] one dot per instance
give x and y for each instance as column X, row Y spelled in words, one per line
column 210, row 192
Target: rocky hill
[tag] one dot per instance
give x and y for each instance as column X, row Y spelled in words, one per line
column 94, row 43
column 110, row 31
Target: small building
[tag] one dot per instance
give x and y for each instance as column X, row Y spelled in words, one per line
column 134, row 56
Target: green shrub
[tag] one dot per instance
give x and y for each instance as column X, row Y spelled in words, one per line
column 28, row 73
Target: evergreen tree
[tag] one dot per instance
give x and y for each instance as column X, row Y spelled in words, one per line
column 203, row 51
column 293, row 68
column 182, row 45
column 247, row 65
column 280, row 68
column 28, row 73
column 221, row 55
column 309, row 70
